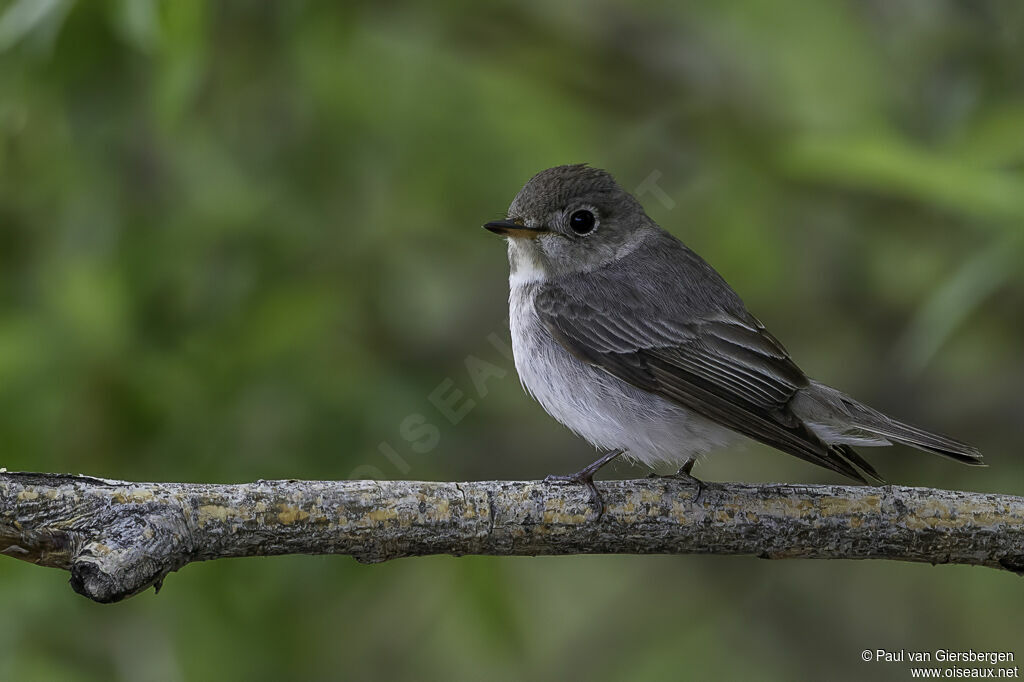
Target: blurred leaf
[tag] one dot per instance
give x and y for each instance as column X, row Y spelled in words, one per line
column 949, row 307
column 996, row 139
column 25, row 16
column 891, row 166
column 137, row 21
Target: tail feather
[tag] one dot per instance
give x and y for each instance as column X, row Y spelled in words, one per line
column 906, row 434
column 839, row 419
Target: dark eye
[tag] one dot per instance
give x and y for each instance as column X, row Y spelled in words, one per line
column 582, row 221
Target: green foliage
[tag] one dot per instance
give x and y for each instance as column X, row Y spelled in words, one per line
column 240, row 240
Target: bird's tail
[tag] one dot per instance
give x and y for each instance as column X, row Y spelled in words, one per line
column 837, row 418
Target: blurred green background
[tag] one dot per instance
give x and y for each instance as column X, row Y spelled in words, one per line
column 241, row 240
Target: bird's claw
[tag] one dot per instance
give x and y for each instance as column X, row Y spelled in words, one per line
column 690, row 479
column 684, row 475
column 583, row 479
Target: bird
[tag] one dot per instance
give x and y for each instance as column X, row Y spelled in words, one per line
column 634, row 342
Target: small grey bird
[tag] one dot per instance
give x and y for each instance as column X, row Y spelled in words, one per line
column 630, row 339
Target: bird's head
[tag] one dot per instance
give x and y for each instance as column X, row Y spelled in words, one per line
column 569, row 219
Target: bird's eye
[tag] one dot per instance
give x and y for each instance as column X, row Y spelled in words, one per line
column 582, row 221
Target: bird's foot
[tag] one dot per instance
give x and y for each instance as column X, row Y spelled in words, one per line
column 578, row 478
column 683, row 474
column 585, row 477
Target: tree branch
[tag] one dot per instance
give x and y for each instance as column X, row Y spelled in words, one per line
column 118, row 538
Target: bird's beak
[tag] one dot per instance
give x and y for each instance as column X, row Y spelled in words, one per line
column 514, row 228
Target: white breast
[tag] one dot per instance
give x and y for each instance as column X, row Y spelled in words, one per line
column 608, row 412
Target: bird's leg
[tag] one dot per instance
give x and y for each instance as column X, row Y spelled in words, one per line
column 684, row 471
column 585, row 476
column 683, row 474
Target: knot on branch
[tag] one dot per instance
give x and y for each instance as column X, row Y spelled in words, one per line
column 134, row 549
column 116, row 541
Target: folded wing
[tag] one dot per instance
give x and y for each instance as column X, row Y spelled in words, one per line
column 725, row 366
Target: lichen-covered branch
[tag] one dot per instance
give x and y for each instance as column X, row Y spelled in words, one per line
column 118, row 538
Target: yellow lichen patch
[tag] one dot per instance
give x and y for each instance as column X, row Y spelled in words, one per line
column 441, row 511
column 214, row 512
column 940, row 515
column 839, row 506
column 560, row 517
column 556, row 512
column 679, row 511
column 856, row 522
column 519, row 499
column 633, row 510
column 788, row 506
column 291, row 514
column 918, row 523
column 27, row 495
column 382, row 514
column 650, row 496
column 935, row 516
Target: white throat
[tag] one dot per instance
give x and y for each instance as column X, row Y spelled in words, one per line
column 524, row 266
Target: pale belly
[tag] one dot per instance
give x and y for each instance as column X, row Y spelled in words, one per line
column 605, row 410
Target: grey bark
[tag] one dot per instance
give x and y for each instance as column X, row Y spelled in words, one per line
column 118, row 538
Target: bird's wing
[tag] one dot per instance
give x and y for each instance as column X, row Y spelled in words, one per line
column 724, row 365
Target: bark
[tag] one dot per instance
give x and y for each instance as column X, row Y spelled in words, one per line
column 118, row 538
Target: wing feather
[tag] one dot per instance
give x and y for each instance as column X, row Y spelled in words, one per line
column 724, row 366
